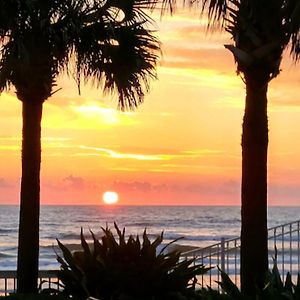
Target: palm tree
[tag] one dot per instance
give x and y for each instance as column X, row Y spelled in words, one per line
column 261, row 31
column 106, row 42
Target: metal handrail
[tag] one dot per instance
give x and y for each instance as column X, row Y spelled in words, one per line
column 283, row 225
column 203, row 249
column 284, row 238
column 8, row 280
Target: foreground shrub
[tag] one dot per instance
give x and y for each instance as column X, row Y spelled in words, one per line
column 33, row 297
column 127, row 269
column 275, row 289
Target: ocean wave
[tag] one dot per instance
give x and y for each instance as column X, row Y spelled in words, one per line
column 8, row 230
column 145, row 224
column 174, row 236
column 8, row 249
column 55, row 248
column 140, row 224
column 68, row 236
column 6, row 255
column 83, row 221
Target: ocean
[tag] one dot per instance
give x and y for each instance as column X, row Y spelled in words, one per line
column 198, row 226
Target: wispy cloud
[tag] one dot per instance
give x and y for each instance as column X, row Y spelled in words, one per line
column 156, row 170
column 98, row 151
column 203, row 78
column 9, row 138
column 74, row 182
column 13, row 144
column 44, row 139
column 227, row 187
column 10, row 147
column 120, row 155
column 4, row 183
column 201, row 152
column 199, row 166
column 123, row 169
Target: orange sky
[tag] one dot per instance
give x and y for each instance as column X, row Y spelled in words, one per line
column 182, row 146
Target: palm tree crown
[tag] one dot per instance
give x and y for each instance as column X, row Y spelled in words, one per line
column 261, row 30
column 106, row 41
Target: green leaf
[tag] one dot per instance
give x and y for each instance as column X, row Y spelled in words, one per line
column 229, row 287
column 276, row 279
column 288, row 283
column 85, row 246
column 68, row 257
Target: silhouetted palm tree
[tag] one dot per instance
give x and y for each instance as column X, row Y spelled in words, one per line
column 261, row 31
column 105, row 41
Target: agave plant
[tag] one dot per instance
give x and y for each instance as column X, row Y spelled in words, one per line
column 126, row 268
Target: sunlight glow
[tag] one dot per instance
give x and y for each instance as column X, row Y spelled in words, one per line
column 108, row 115
column 110, row 197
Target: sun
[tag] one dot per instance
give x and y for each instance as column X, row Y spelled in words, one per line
column 110, row 197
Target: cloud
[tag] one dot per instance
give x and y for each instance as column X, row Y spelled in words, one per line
column 74, row 182
column 12, row 144
column 44, row 139
column 229, row 187
column 208, row 78
column 88, row 114
column 9, row 138
column 201, row 152
column 10, row 106
column 187, row 44
column 292, row 102
column 186, row 154
column 226, row 187
column 139, row 186
column 4, row 183
column 10, row 147
column 284, row 191
column 119, row 155
column 185, row 58
column 198, row 32
column 66, row 101
column 124, row 169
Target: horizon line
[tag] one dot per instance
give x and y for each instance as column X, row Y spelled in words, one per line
column 151, row 205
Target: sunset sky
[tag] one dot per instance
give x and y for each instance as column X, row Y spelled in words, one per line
column 182, row 146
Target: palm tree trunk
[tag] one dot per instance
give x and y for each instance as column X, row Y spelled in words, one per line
column 254, row 243
column 28, row 249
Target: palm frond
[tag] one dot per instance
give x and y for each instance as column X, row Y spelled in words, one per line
column 8, row 13
column 6, row 64
column 124, row 60
column 293, row 25
column 295, row 46
column 260, row 29
column 118, row 55
column 108, row 42
column 217, row 11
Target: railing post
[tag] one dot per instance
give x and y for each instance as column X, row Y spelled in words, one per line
column 298, row 245
column 223, row 254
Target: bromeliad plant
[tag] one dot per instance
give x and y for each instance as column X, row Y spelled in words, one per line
column 127, row 268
